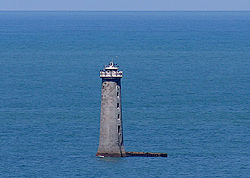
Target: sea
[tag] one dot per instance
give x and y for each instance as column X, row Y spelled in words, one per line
column 185, row 92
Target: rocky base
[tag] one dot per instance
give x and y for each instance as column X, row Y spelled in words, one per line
column 133, row 153
column 146, row 154
column 101, row 155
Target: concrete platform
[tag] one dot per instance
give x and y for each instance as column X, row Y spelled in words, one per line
column 146, row 154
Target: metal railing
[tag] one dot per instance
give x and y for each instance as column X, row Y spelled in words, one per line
column 110, row 73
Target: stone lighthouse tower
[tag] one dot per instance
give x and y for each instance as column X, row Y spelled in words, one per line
column 111, row 134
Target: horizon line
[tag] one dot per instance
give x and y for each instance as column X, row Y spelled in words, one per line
column 125, row 10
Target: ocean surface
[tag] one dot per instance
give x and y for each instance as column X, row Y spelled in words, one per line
column 185, row 92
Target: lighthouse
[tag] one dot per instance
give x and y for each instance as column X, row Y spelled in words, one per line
column 111, row 134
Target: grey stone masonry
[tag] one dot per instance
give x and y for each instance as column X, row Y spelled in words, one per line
column 111, row 134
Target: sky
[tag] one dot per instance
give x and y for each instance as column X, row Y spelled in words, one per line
column 124, row 5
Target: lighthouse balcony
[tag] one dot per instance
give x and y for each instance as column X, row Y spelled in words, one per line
column 112, row 74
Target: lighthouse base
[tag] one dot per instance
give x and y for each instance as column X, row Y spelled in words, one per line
column 110, row 155
column 132, row 154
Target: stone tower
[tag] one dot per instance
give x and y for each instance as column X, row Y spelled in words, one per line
column 111, row 134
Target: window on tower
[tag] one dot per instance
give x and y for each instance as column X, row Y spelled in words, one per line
column 117, row 105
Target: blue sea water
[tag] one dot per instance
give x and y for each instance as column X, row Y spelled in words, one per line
column 185, row 91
